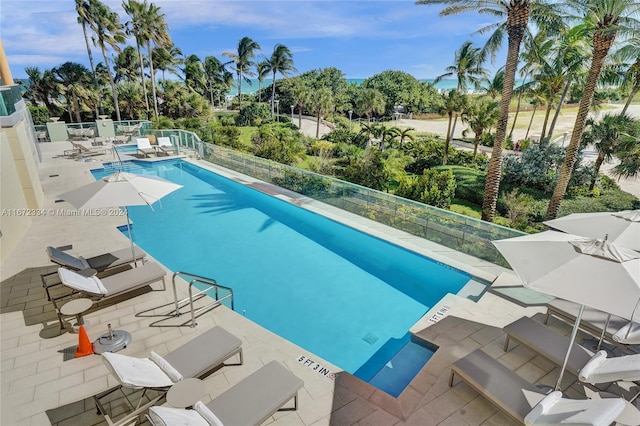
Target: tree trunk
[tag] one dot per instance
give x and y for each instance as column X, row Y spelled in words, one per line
column 153, row 81
column 445, row 156
column 515, row 117
column 633, row 93
column 318, row 125
column 516, row 25
column 114, row 92
column 602, row 42
column 273, row 92
column 453, row 128
column 562, row 98
column 533, row 113
column 93, row 67
column 239, row 89
column 596, row 168
column 144, row 86
column 476, row 142
column 546, row 120
column 76, row 107
column 300, row 116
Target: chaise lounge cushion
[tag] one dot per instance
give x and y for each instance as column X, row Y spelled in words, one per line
column 501, row 386
column 193, row 360
column 547, row 343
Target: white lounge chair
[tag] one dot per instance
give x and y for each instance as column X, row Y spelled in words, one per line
column 250, row 402
column 194, row 359
column 165, row 146
column 105, row 288
column 144, row 147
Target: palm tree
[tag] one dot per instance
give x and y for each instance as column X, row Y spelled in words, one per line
column 572, row 52
column 405, row 134
column 454, row 102
column 604, row 19
column 217, row 76
column 262, row 71
column 321, row 103
column 42, row 88
column 467, row 68
column 109, row 31
column 242, row 60
column 194, row 75
column 281, row 61
column 517, row 17
column 480, row 114
column 167, row 58
column 493, row 86
column 85, row 15
column 73, row 79
column 369, row 102
column 537, row 98
column 300, row 94
column 627, row 64
column 155, row 32
column 124, row 65
column 135, row 27
column 605, row 136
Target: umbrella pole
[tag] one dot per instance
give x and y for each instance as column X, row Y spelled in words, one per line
column 604, row 330
column 571, row 340
column 133, row 250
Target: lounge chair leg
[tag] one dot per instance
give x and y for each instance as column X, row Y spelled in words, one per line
column 453, row 373
column 546, row 317
column 506, row 344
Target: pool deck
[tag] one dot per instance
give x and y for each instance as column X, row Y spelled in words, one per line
column 38, row 387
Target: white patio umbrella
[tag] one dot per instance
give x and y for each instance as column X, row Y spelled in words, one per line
column 590, row 272
column 622, row 228
column 120, row 189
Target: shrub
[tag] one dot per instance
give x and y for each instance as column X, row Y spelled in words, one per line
column 227, row 136
column 254, row 114
column 435, row 188
column 39, row 114
column 278, row 143
column 367, row 170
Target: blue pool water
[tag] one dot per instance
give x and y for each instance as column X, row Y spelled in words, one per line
column 332, row 290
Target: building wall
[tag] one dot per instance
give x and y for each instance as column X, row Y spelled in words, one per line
column 20, row 187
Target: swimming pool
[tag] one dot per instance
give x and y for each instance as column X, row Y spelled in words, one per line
column 337, row 292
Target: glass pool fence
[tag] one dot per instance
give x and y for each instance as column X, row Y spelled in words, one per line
column 453, row 230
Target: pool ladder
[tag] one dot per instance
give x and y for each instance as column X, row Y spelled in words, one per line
column 195, row 295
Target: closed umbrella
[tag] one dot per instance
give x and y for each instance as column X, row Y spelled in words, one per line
column 622, row 228
column 120, row 189
column 593, row 273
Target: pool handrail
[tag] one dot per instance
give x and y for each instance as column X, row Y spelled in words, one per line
column 198, row 279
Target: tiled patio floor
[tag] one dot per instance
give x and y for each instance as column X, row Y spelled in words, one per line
column 36, row 381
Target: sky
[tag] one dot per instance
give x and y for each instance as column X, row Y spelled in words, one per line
column 361, row 38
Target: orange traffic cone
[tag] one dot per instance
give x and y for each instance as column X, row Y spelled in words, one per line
column 85, row 347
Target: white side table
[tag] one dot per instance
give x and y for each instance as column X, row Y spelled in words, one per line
column 76, row 307
column 185, row 393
